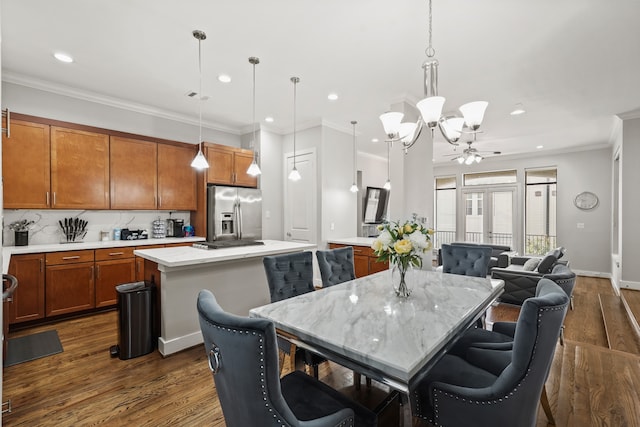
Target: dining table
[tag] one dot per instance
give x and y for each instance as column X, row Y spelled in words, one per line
column 363, row 325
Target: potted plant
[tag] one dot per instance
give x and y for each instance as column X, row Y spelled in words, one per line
column 21, row 229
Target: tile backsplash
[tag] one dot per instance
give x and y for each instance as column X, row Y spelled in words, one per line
column 46, row 229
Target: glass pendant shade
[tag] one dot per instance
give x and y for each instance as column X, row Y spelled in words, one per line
column 254, row 169
column 387, row 185
column 460, row 160
column 294, row 175
column 354, row 188
column 407, row 131
column 452, row 129
column 473, row 113
column 199, row 161
column 478, row 159
column 391, row 122
column 431, row 109
column 469, row 160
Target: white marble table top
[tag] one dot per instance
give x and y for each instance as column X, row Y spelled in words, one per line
column 365, row 322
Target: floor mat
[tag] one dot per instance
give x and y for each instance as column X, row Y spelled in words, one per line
column 31, row 347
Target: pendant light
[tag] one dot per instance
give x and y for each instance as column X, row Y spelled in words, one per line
column 294, row 175
column 254, row 169
column 354, row 187
column 387, row 185
column 199, row 162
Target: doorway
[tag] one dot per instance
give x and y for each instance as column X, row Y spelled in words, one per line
column 300, row 198
column 490, row 216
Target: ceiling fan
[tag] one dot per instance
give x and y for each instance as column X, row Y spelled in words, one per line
column 470, row 155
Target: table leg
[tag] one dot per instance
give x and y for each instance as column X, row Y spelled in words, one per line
column 406, row 418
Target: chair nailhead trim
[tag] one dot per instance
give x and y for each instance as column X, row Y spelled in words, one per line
column 434, row 420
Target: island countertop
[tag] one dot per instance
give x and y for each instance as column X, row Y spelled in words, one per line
column 185, row 256
column 353, row 241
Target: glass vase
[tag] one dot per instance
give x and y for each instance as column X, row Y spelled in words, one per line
column 400, row 280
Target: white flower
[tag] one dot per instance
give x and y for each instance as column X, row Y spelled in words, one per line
column 385, row 239
column 418, row 239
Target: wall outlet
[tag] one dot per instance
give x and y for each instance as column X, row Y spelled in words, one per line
column 332, row 226
column 580, row 225
column 267, row 214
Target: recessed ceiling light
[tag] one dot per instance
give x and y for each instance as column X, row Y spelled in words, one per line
column 518, row 110
column 332, row 96
column 268, row 119
column 63, row 57
column 375, row 140
column 540, row 146
column 224, row 78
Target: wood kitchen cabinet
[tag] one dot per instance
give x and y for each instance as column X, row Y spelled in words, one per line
column 140, row 261
column 25, row 166
column 69, row 282
column 114, row 266
column 79, row 169
column 364, row 260
column 176, row 178
column 134, row 173
column 228, row 166
column 28, row 298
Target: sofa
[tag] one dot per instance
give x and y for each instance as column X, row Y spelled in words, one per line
column 522, row 275
column 500, row 254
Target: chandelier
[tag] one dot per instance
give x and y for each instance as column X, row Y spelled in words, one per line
column 451, row 125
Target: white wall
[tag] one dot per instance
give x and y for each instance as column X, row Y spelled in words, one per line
column 41, row 103
column 588, row 248
column 270, row 159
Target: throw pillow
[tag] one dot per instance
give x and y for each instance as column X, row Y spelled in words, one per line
column 530, row 264
column 546, row 265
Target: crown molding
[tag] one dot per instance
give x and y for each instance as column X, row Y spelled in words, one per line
column 98, row 98
column 628, row 115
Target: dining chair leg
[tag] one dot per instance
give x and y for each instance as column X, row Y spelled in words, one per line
column 562, row 335
column 292, row 357
column 544, row 401
column 281, row 356
column 571, row 302
column 356, row 380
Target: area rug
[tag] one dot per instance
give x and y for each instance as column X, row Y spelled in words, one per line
column 32, row 347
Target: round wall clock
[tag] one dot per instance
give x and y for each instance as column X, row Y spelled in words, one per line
column 586, row 200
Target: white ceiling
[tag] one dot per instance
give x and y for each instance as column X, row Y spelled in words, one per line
column 573, row 64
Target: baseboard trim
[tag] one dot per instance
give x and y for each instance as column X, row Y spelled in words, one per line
column 592, row 273
column 627, row 284
column 167, row 347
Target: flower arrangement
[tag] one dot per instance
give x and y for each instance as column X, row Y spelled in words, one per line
column 21, row 225
column 402, row 243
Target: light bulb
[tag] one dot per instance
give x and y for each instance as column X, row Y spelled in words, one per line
column 354, row 188
column 294, row 175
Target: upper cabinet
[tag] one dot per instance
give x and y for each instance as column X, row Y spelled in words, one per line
column 25, row 166
column 79, row 169
column 134, row 177
column 176, row 178
column 228, row 166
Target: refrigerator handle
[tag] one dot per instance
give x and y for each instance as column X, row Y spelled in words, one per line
column 239, row 216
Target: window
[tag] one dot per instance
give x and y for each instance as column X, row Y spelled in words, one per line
column 540, row 210
column 488, row 178
column 445, row 206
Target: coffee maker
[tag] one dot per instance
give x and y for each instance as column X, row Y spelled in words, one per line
column 178, row 228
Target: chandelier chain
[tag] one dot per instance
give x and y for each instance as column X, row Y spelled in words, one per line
column 430, row 51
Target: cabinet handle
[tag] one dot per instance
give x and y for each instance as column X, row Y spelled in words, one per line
column 54, row 198
column 47, row 198
column 159, row 201
column 115, row 253
column 71, row 257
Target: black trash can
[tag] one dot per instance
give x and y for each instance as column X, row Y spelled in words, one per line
column 136, row 320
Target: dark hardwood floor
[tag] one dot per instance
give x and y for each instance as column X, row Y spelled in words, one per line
column 589, row 385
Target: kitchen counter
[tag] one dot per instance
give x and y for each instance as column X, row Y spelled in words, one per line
column 189, row 256
column 353, row 241
column 235, row 276
column 7, row 251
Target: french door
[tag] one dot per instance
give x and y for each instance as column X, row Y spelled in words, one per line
column 490, row 216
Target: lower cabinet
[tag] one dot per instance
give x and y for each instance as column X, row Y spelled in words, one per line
column 364, row 260
column 69, row 282
column 28, row 298
column 114, row 267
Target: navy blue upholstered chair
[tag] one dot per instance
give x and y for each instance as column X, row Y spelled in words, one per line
column 487, row 385
column 336, row 265
column 288, row 276
column 242, row 354
column 466, row 260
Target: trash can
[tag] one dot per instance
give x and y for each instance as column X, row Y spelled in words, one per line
column 136, row 320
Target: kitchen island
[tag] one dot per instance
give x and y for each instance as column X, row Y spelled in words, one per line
column 235, row 275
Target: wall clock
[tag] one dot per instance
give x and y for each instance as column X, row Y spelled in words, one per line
column 586, row 200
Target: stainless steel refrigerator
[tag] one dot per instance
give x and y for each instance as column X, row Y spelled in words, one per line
column 233, row 213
